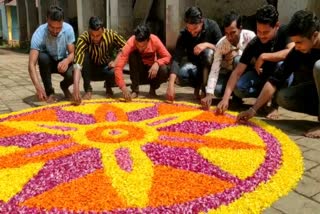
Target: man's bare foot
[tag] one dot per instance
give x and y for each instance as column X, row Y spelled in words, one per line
column 134, row 94
column 273, row 114
column 196, row 93
column 313, row 133
column 152, row 92
column 67, row 94
column 109, row 92
column 87, row 95
column 202, row 95
column 52, row 99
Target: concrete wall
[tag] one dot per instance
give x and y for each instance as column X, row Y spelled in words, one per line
column 4, row 22
column 287, row 8
column 314, row 5
column 15, row 23
column 216, row 9
column 121, row 17
column 32, row 17
column 23, row 19
column 86, row 9
column 153, row 12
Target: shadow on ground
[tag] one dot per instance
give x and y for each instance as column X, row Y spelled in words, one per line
column 292, row 127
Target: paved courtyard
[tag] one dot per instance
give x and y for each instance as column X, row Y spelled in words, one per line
column 17, row 92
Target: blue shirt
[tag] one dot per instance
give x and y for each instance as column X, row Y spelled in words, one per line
column 56, row 47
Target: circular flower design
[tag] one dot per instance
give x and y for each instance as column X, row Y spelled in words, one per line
column 141, row 157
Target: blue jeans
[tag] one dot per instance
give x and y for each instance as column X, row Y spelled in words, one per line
column 224, row 75
column 188, row 74
column 250, row 83
column 196, row 74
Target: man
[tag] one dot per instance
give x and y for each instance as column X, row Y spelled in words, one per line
column 197, row 42
column 148, row 59
column 265, row 51
column 226, row 57
column 53, row 49
column 93, row 57
column 303, row 95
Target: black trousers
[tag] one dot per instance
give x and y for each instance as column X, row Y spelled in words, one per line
column 93, row 72
column 48, row 66
column 139, row 73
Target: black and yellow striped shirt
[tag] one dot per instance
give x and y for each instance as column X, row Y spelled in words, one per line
column 100, row 53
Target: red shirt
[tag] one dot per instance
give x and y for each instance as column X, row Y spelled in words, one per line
column 154, row 52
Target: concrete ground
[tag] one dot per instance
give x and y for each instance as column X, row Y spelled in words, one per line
column 17, row 92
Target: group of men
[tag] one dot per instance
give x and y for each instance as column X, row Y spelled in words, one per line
column 278, row 65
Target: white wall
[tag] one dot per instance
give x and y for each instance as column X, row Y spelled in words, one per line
column 287, row 8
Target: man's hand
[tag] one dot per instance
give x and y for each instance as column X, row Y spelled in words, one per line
column 246, row 115
column 63, row 66
column 111, row 64
column 206, row 101
column 126, row 94
column 258, row 64
column 41, row 94
column 230, row 55
column 222, row 106
column 199, row 48
column 153, row 70
column 170, row 93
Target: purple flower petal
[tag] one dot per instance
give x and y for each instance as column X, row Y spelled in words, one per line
column 123, row 159
column 194, row 127
column 143, row 114
column 30, row 140
column 59, row 171
column 75, row 117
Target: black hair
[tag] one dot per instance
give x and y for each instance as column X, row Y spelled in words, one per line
column 142, row 33
column 95, row 23
column 273, row 2
column 303, row 23
column 267, row 14
column 193, row 15
column 231, row 17
column 55, row 13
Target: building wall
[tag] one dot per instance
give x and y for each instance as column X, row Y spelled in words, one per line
column 287, row 8
column 121, row 17
column 216, row 9
column 1, row 28
column 4, row 22
column 14, row 23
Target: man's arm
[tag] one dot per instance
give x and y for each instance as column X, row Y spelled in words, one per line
column 212, row 80
column 279, row 55
column 33, row 58
column 215, row 68
column 164, row 57
column 64, row 64
column 70, row 56
column 121, row 61
column 81, row 48
column 162, row 54
column 76, row 87
column 265, row 95
column 202, row 46
column 235, row 76
column 273, row 57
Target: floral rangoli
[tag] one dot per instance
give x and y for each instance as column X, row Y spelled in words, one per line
column 146, row 156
